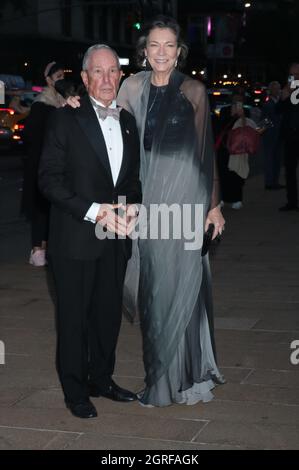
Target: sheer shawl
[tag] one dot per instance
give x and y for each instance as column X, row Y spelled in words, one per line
column 180, row 169
column 133, row 96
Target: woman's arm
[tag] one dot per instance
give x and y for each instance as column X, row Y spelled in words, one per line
column 196, row 93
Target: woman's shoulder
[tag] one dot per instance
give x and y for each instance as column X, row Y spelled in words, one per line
column 130, row 90
column 193, row 85
column 194, row 90
column 134, row 80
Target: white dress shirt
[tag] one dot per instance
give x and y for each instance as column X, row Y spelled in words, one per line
column 114, row 143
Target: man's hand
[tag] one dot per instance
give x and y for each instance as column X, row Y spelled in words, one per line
column 215, row 217
column 131, row 212
column 108, row 218
column 73, row 101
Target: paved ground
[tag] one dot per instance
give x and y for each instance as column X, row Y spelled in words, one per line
column 256, row 290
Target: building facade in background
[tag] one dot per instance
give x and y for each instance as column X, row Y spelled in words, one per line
column 226, row 37
column 33, row 32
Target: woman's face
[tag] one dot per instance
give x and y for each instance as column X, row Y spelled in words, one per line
column 59, row 75
column 162, row 50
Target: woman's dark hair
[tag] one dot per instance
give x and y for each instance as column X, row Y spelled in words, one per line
column 65, row 88
column 162, row 22
column 54, row 68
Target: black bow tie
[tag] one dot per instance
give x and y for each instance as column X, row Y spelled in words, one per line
column 103, row 112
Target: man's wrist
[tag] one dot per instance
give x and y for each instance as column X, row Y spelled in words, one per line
column 91, row 215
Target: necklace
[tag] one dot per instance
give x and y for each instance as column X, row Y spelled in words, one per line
column 154, row 100
column 158, row 90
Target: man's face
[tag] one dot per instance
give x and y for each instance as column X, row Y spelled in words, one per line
column 102, row 76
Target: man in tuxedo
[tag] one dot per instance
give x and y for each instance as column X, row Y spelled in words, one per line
column 90, row 158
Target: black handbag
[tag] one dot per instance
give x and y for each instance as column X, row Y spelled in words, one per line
column 207, row 239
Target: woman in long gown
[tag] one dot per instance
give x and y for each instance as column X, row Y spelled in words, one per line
column 177, row 167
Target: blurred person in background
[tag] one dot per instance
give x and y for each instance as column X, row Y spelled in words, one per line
column 231, row 183
column 272, row 138
column 34, row 205
column 65, row 88
column 290, row 134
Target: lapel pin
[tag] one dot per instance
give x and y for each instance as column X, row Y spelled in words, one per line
column 127, row 131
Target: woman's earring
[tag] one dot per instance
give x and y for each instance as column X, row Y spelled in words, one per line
column 144, row 62
column 176, row 63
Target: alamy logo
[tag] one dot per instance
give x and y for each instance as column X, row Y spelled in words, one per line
column 295, row 94
column 2, row 90
column 294, row 357
column 2, row 353
column 165, row 222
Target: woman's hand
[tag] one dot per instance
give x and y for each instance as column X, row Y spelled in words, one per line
column 261, row 130
column 73, row 101
column 215, row 217
column 107, row 217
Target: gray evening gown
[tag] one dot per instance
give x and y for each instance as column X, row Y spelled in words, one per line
column 168, row 285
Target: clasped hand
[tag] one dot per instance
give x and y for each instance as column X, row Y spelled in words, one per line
column 116, row 223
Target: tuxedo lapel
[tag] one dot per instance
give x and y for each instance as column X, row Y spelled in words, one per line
column 88, row 122
column 126, row 147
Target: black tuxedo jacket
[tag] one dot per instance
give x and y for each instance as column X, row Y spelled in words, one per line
column 75, row 172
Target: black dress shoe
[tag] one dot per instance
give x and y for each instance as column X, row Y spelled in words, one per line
column 113, row 392
column 82, row 410
column 288, row 207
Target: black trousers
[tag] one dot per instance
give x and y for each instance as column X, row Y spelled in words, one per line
column 231, row 184
column 89, row 309
column 291, row 158
column 39, row 226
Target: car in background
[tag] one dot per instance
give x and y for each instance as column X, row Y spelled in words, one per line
column 259, row 94
column 13, row 117
column 12, row 126
column 219, row 98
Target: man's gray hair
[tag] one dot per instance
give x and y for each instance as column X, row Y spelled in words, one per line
column 94, row 48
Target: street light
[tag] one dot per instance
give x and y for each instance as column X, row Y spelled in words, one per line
column 224, row 76
column 193, row 72
column 239, row 75
column 247, row 5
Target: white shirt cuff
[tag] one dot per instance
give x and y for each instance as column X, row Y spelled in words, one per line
column 92, row 213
